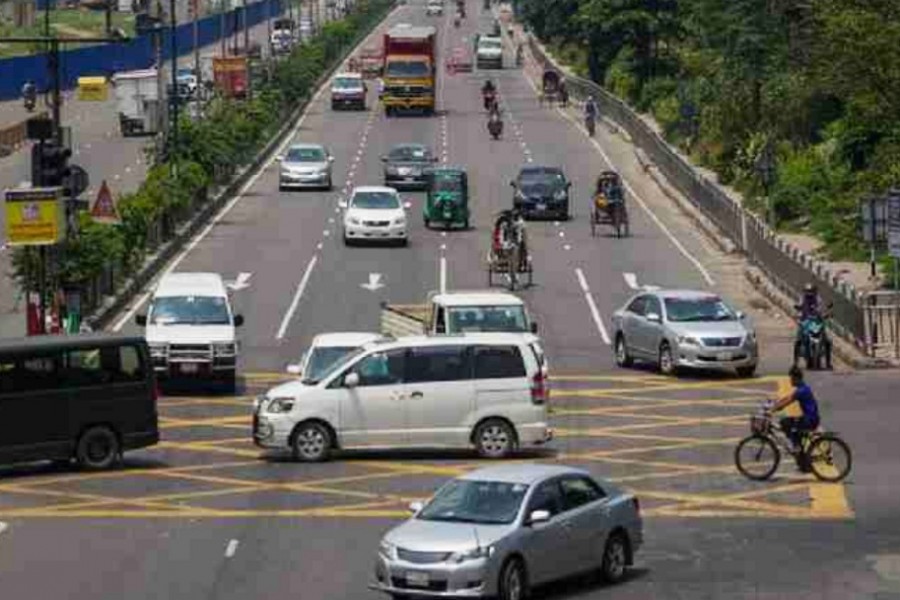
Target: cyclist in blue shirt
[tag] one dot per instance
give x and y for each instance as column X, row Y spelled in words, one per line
column 795, row 427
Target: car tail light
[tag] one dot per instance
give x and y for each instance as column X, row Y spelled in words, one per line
column 540, row 393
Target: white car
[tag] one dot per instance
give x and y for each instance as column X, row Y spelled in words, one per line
column 435, row 8
column 326, row 350
column 375, row 213
column 489, row 54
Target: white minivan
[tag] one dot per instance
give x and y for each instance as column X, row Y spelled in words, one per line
column 191, row 328
column 481, row 390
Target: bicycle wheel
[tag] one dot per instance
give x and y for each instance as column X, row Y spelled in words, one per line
column 757, row 457
column 830, row 458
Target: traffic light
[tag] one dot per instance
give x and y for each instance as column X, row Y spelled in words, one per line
column 49, row 165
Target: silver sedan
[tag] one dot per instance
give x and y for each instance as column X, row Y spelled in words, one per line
column 681, row 328
column 305, row 165
column 496, row 532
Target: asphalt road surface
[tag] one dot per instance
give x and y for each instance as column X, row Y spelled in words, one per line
column 207, row 515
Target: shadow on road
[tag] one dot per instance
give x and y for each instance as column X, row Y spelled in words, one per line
column 583, row 586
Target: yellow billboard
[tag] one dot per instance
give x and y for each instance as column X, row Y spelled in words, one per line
column 34, row 217
column 92, row 89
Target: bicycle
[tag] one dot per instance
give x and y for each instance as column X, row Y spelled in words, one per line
column 827, row 455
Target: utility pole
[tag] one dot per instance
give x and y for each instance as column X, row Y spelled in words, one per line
column 246, row 29
column 269, row 26
column 173, row 137
column 195, row 4
column 222, row 14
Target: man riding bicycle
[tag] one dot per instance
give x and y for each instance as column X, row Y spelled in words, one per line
column 796, row 427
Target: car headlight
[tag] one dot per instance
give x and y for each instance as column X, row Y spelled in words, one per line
column 280, row 405
column 400, row 221
column 353, row 220
column 391, row 170
column 688, row 340
column 751, row 337
column 158, row 349
column 259, row 401
column 560, row 195
column 387, row 549
column 228, row 348
column 474, row 554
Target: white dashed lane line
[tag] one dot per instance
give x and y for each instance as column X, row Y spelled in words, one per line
column 231, row 548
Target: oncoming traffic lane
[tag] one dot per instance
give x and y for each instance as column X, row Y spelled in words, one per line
column 668, row 441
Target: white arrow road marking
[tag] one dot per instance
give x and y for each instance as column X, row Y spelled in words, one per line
column 3, row 526
column 631, row 280
column 231, row 548
column 241, row 282
column 593, row 306
column 374, row 282
column 297, row 295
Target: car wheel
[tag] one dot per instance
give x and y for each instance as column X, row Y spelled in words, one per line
column 746, row 372
column 330, row 185
column 615, row 558
column 427, row 224
column 623, row 359
column 312, row 442
column 513, row 583
column 98, row 449
column 495, row 438
column 666, row 360
column 229, row 381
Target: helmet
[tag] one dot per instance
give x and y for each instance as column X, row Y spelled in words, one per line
column 809, row 288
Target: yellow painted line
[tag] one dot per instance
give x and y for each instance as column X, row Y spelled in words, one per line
column 628, row 410
column 205, row 401
column 74, row 496
column 705, row 385
column 267, row 375
column 449, row 470
column 604, row 454
column 615, row 378
column 693, row 500
column 161, row 500
column 172, row 423
column 195, row 447
column 669, row 474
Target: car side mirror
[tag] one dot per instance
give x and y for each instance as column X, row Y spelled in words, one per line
column 538, row 516
column 512, row 184
column 416, row 507
column 330, row 158
column 351, row 380
column 141, row 320
column 534, row 328
column 740, row 315
column 653, row 317
column 407, row 205
column 279, row 158
column 568, row 184
column 383, row 158
column 238, row 320
column 343, row 204
column 294, row 369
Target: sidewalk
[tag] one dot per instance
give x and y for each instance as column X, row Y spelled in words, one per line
column 99, row 148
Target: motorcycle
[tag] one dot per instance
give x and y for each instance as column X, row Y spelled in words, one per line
column 456, row 22
column 813, row 345
column 489, row 99
column 30, row 103
column 495, row 127
column 590, row 123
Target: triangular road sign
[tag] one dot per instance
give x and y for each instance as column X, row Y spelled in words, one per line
column 104, row 209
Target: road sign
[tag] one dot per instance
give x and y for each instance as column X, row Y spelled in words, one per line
column 35, row 217
column 893, row 224
column 92, row 89
column 104, row 209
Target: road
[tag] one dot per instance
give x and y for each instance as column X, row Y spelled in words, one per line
column 206, row 514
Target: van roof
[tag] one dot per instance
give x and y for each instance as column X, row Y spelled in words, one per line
column 190, row 284
column 485, row 298
column 48, row 342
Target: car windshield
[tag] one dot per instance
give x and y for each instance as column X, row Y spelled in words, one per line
column 683, row 310
column 348, row 83
column 322, row 360
column 407, row 69
column 189, row 310
column 185, row 72
column 306, row 155
column 490, row 44
column 477, row 502
column 541, row 176
column 447, row 183
column 409, row 154
column 375, row 200
column 488, row 318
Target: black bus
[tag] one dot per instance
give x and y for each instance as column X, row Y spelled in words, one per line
column 84, row 397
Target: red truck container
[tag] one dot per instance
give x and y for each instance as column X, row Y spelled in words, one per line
column 231, row 76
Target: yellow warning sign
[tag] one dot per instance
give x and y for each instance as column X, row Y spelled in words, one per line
column 34, row 217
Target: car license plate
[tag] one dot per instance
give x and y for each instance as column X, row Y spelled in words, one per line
column 410, row 179
column 189, row 368
column 417, row 578
column 541, row 207
column 724, row 356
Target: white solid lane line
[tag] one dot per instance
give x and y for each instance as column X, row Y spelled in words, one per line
column 231, row 548
column 443, row 274
column 301, row 287
column 595, row 313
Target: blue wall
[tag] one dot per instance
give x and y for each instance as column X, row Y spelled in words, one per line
column 109, row 58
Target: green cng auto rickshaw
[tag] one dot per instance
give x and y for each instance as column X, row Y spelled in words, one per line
column 447, row 200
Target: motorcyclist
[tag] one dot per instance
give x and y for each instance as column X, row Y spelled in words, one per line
column 519, row 54
column 495, row 122
column 489, row 94
column 810, row 306
column 29, row 94
column 796, row 427
column 591, row 111
column 563, row 94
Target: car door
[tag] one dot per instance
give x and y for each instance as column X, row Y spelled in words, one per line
column 586, row 514
column 546, row 545
column 373, row 412
column 632, row 322
column 653, row 329
column 440, row 395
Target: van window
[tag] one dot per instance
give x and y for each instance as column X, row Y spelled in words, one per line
column 381, row 368
column 488, row 318
column 31, row 374
column 98, row 366
column 438, row 363
column 498, row 362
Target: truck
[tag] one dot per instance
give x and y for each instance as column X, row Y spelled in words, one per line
column 458, row 312
column 232, row 75
column 137, row 101
column 410, row 69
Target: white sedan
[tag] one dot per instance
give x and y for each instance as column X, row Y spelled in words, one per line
column 375, row 213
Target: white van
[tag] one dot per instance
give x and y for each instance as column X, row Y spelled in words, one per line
column 485, row 390
column 191, row 328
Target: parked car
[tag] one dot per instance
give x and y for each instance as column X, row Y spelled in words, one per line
column 485, row 390
column 348, row 90
column 326, row 350
column 375, row 213
column 306, row 165
column 542, row 191
column 499, row 531
column 435, row 8
column 405, row 166
column 684, row 328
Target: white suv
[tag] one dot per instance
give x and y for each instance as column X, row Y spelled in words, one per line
column 485, row 390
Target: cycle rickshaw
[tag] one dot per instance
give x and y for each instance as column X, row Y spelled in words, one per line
column 509, row 252
column 608, row 205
